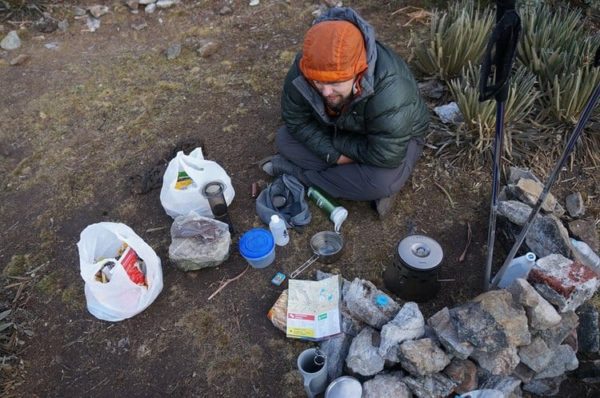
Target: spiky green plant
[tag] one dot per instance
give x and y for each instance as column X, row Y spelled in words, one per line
column 456, row 37
column 548, row 37
column 557, row 46
column 480, row 117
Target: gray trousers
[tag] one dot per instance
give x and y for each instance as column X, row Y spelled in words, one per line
column 352, row 181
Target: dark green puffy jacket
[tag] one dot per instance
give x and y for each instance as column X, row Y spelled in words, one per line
column 377, row 125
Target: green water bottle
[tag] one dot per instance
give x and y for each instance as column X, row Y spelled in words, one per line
column 337, row 214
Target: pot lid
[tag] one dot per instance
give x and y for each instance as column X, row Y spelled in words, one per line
column 420, row 252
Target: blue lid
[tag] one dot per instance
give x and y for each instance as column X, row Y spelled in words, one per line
column 256, row 243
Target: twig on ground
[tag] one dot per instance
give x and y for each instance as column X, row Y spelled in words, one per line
column 445, row 192
column 18, row 294
column 227, row 282
column 13, row 285
column 464, row 253
column 155, row 229
column 33, row 271
column 404, row 9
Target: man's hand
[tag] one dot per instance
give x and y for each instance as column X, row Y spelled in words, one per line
column 343, row 159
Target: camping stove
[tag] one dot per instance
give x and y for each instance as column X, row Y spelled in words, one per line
column 413, row 274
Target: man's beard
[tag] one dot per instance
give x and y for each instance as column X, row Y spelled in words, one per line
column 338, row 104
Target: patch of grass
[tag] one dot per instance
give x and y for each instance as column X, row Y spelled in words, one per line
column 18, row 265
column 73, row 297
column 49, row 284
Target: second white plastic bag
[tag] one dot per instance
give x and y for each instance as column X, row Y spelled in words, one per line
column 119, row 297
column 184, row 179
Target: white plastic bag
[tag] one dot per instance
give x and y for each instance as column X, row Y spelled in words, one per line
column 120, row 298
column 179, row 199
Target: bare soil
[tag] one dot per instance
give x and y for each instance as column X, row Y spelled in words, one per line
column 78, row 120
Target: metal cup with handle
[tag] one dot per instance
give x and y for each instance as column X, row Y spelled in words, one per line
column 312, row 364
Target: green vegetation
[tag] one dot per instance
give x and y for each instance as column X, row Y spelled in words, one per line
column 456, row 37
column 552, row 80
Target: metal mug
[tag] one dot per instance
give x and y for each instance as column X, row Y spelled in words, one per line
column 313, row 367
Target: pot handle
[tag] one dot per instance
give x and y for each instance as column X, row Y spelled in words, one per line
column 304, row 266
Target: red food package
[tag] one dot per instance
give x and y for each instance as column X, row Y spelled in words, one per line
column 130, row 262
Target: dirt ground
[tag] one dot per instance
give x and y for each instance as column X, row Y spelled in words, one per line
column 77, row 120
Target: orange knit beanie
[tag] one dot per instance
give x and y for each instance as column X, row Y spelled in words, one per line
column 333, row 51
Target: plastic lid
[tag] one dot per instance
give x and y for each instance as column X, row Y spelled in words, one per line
column 275, row 218
column 420, row 252
column 256, row 243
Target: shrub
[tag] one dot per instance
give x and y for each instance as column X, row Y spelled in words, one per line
column 456, row 37
column 558, row 48
column 480, row 117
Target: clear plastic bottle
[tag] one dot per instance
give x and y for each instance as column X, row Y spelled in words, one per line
column 585, row 254
column 279, row 230
column 518, row 268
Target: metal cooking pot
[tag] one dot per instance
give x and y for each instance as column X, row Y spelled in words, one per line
column 327, row 248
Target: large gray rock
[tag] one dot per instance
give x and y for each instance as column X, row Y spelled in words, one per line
column 587, row 331
column 548, row 235
column 562, row 282
column 478, row 327
column 368, row 304
column 11, row 41
column 536, row 355
column 386, row 385
column 434, row 386
column 564, row 359
column 510, row 386
column 585, row 230
column 464, row 373
column 363, row 356
column 492, row 321
column 422, row 357
column 408, row 324
column 198, row 242
column 575, row 205
column 541, row 313
column 516, row 212
column 336, row 349
column 447, row 334
column 502, row 362
column 545, row 387
column 555, row 335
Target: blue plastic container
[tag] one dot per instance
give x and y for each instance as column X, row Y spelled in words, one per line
column 257, row 246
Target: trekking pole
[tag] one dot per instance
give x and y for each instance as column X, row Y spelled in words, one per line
column 583, row 118
column 500, row 53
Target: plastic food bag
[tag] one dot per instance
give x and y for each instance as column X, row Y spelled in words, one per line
column 278, row 313
column 183, row 181
column 198, row 242
column 122, row 274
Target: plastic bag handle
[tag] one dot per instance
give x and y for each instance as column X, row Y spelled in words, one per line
column 195, row 174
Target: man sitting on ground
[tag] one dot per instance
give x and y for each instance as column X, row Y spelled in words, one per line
column 354, row 119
